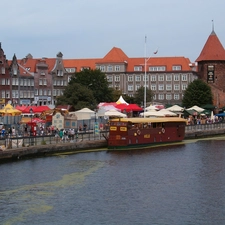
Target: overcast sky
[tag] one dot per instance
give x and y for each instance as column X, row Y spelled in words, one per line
column 90, row 28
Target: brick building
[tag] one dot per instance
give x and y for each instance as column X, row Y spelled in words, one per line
column 211, row 68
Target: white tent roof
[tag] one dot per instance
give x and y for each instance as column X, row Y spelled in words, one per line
column 167, row 112
column 121, row 101
column 114, row 113
column 175, row 108
column 151, row 107
column 152, row 113
column 103, row 109
column 85, row 114
column 196, row 108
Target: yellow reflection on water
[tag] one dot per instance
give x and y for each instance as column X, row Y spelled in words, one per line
column 32, row 199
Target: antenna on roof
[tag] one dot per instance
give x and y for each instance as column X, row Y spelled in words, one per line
column 212, row 26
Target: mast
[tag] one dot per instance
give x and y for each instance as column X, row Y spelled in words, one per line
column 145, row 76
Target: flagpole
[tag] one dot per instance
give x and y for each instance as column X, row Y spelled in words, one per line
column 145, row 76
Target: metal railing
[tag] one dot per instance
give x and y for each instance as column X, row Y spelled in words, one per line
column 199, row 127
column 25, row 141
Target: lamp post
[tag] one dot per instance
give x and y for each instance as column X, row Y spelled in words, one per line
column 31, row 116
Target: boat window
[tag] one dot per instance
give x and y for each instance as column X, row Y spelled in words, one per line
column 159, row 125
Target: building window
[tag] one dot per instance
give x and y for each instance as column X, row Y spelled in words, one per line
column 3, row 94
column 184, row 77
column 40, row 91
column 109, row 78
column 42, row 73
column 176, row 96
column 40, row 81
column 153, row 87
column 28, row 82
column 157, row 68
column 137, row 87
column 70, row 70
column 161, row 87
column 102, row 68
column 184, row 87
column 8, row 94
column 130, row 88
column 130, row 78
column 44, row 82
column 59, row 73
column 161, row 77
column 169, row 77
column 161, row 96
column 25, row 82
column 21, row 82
column 176, row 77
column 153, row 78
column 117, row 68
column 147, row 77
column 109, row 68
column 138, row 78
column 168, row 87
column 168, row 97
column 117, row 78
column 176, row 67
column 138, row 68
column 3, row 70
column 36, row 91
column 176, row 87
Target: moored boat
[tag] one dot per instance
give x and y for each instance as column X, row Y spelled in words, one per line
column 137, row 132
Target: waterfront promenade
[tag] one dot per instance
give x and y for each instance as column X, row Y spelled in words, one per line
column 19, row 147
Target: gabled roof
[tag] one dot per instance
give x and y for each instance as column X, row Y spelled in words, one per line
column 212, row 50
column 115, row 55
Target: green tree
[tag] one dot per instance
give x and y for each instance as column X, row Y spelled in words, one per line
column 96, row 81
column 78, row 96
column 197, row 93
column 139, row 95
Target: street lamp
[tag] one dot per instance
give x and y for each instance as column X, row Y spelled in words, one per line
column 31, row 116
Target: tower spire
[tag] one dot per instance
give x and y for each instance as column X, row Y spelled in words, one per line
column 213, row 32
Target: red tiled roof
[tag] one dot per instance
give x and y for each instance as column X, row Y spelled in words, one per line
column 114, row 55
column 212, row 50
column 79, row 63
column 168, row 62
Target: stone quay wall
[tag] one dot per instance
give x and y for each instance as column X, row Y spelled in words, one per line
column 84, row 145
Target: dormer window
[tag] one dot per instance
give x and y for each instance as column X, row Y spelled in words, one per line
column 84, row 68
column 177, row 67
column 138, row 68
column 42, row 73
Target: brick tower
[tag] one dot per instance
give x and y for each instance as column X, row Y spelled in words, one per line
column 211, row 68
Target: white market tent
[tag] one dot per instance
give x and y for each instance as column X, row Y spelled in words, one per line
column 84, row 114
column 121, row 101
column 152, row 113
column 114, row 113
column 175, row 108
column 151, row 107
column 103, row 109
column 196, row 108
column 167, row 112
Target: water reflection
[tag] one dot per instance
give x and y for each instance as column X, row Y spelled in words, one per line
column 182, row 184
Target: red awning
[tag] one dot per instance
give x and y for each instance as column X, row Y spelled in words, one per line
column 128, row 108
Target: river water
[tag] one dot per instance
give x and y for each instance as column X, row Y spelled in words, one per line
column 182, row 184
